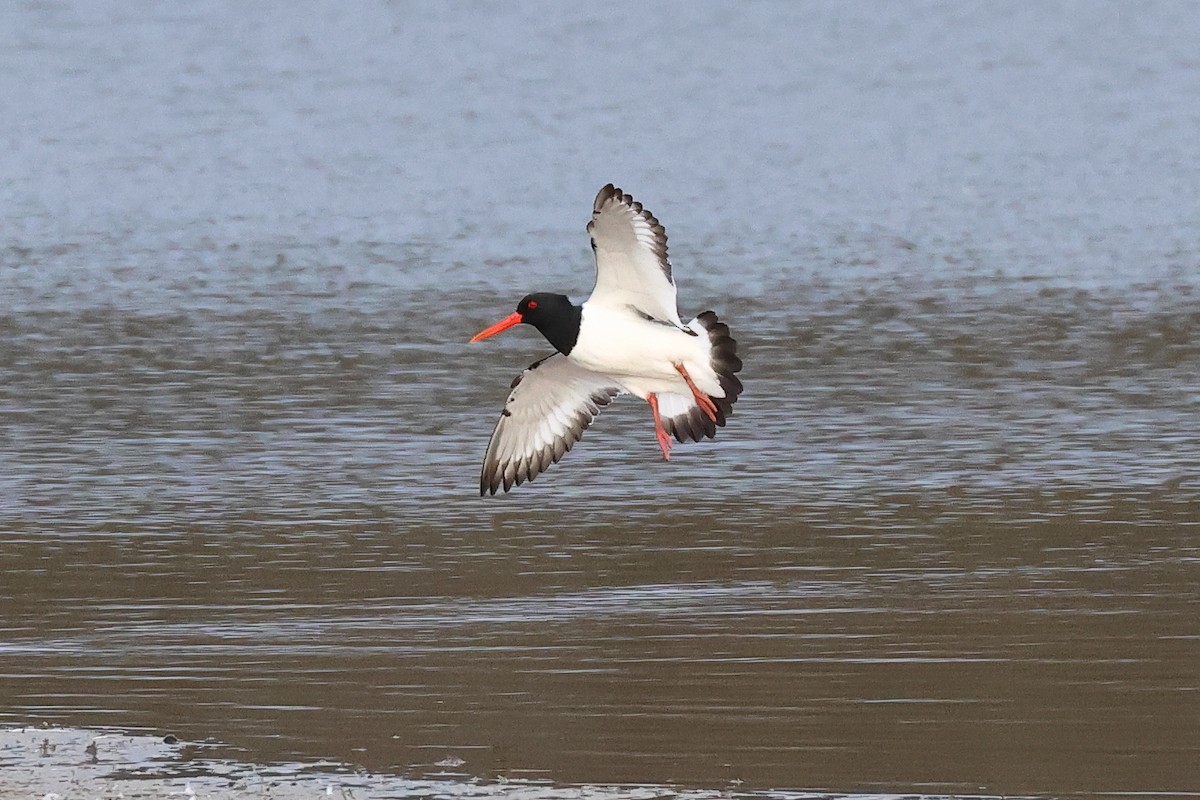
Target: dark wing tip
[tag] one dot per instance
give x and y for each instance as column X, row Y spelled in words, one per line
column 603, row 196
column 488, row 484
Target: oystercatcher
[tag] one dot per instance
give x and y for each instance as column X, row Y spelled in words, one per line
column 627, row 338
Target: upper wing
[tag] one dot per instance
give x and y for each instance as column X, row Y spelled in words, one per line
column 631, row 257
column 551, row 404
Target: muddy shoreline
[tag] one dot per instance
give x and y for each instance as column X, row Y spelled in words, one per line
column 56, row 763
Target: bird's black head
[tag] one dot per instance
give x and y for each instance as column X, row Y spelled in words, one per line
column 555, row 316
column 552, row 314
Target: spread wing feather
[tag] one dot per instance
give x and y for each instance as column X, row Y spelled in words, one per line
column 632, row 268
column 550, row 406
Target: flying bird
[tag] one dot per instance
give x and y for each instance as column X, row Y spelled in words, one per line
column 626, row 338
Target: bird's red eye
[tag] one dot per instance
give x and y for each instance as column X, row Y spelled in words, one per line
column 532, row 305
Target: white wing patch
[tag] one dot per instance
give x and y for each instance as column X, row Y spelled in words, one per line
column 550, row 406
column 632, row 268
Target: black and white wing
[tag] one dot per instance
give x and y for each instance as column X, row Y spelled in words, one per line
column 550, row 406
column 631, row 257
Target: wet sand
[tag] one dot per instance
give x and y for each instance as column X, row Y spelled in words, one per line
column 54, row 763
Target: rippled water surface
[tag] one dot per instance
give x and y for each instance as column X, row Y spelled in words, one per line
column 950, row 542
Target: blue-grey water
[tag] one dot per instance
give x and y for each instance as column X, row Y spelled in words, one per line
column 950, row 541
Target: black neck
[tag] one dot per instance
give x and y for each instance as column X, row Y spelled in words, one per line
column 561, row 329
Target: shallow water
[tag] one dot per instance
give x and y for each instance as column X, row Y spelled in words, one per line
column 950, row 542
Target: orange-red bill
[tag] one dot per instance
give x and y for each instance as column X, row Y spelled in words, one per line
column 503, row 325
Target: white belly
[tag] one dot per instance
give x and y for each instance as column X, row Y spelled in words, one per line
column 641, row 354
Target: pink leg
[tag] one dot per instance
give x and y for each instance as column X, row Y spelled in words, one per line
column 664, row 441
column 704, row 401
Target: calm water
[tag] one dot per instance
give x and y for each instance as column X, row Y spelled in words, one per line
column 950, row 542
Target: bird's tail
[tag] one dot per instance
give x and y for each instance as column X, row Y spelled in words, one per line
column 724, row 359
column 681, row 416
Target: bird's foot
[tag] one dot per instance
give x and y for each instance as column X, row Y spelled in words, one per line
column 664, row 443
column 704, row 401
column 664, row 440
